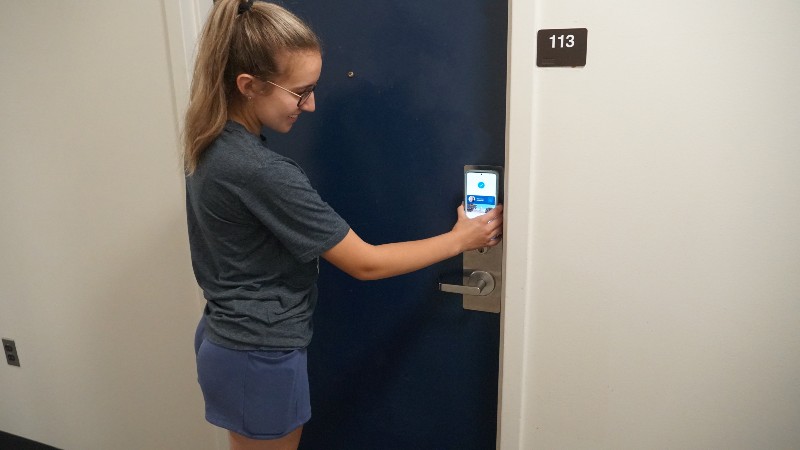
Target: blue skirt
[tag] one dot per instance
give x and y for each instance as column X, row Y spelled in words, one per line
column 258, row 394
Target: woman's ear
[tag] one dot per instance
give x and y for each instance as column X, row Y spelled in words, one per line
column 246, row 84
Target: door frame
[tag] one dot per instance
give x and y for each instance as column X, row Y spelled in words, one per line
column 184, row 21
column 519, row 225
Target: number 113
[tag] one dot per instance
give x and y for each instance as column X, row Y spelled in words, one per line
column 564, row 41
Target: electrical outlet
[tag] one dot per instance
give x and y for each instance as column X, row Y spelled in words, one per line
column 11, row 352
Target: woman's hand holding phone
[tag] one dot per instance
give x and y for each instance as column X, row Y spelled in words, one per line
column 482, row 231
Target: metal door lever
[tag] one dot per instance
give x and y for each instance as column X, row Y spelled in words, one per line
column 478, row 283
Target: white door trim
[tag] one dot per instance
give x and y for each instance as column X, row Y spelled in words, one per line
column 184, row 21
column 519, row 224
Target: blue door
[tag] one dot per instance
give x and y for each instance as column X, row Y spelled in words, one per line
column 410, row 92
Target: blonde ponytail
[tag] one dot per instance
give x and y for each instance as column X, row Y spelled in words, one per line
column 235, row 40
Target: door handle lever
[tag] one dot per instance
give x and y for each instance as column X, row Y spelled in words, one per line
column 478, row 283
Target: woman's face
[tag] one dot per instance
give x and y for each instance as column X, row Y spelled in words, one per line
column 277, row 109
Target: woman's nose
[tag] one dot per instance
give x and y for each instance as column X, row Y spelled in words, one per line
column 309, row 105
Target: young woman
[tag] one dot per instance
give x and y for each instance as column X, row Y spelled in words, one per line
column 257, row 227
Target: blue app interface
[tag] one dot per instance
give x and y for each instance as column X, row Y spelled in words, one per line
column 481, row 193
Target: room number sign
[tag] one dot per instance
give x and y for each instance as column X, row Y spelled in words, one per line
column 561, row 47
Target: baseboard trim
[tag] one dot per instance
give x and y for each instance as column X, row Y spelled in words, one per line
column 8, row 440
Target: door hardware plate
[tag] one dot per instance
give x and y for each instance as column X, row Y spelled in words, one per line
column 489, row 261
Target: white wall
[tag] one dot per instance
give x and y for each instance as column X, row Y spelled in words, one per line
column 95, row 279
column 655, row 197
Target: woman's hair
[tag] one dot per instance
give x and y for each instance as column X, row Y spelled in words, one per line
column 238, row 37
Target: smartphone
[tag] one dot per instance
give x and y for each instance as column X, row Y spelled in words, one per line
column 481, row 191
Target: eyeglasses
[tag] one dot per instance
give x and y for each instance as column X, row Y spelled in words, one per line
column 303, row 96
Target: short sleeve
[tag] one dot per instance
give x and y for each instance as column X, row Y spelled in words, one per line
column 281, row 197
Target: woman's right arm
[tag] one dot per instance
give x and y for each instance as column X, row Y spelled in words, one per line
column 364, row 261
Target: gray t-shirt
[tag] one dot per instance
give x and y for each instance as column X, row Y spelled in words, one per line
column 256, row 230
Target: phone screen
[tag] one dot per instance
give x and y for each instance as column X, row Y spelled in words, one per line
column 480, row 191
